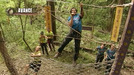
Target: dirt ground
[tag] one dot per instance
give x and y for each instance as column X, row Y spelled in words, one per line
column 51, row 66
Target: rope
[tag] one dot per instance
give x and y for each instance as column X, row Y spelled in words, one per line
column 68, row 37
column 95, row 6
column 68, row 26
column 102, row 63
column 111, row 6
column 75, row 30
column 65, row 23
column 111, row 3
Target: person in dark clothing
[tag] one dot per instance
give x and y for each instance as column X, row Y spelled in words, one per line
column 74, row 21
column 43, row 42
column 100, row 55
column 110, row 56
column 50, row 35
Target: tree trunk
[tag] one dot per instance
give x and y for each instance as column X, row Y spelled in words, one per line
column 112, row 13
column 2, row 30
column 125, row 42
column 25, row 3
column 111, row 19
column 23, row 32
column 31, row 20
column 6, row 57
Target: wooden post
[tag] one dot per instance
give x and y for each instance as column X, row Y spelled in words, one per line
column 7, row 59
column 125, row 41
column 51, row 3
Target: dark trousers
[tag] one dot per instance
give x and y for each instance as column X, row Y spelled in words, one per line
column 44, row 45
column 51, row 44
column 69, row 37
column 99, row 58
column 109, row 65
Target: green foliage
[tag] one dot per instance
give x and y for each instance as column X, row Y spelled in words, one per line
column 1, row 58
column 86, row 57
column 131, row 47
column 3, row 10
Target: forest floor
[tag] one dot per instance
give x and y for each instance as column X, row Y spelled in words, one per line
column 52, row 66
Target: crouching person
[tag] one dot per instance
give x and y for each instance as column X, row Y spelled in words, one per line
column 110, row 56
column 100, row 55
column 36, row 64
